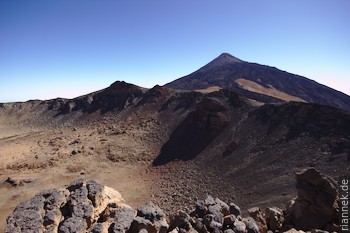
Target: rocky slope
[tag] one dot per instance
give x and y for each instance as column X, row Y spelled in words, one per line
column 173, row 147
column 86, row 206
column 259, row 82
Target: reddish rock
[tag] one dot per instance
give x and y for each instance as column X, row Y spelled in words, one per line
column 315, row 207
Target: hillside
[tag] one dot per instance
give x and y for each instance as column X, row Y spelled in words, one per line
column 168, row 146
column 259, row 82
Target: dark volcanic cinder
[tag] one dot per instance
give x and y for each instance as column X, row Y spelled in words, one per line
column 225, row 70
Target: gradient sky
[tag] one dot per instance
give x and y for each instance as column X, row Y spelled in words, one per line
column 66, row 48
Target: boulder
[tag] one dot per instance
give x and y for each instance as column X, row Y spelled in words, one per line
column 225, row 209
column 229, row 221
column 87, row 206
column 274, row 218
column 140, row 223
column 151, row 212
column 251, row 225
column 259, row 218
column 215, row 210
column 100, row 228
column 200, row 227
column 80, row 207
column 239, row 227
column 235, row 210
column 210, row 222
column 123, row 218
column 151, row 218
column 315, row 207
column 73, row 224
column 209, row 200
column 180, row 220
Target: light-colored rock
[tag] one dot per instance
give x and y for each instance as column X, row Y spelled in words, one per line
column 259, row 218
column 294, row 231
column 76, row 208
column 239, row 227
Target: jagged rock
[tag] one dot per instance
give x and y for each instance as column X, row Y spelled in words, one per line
column 229, row 221
column 274, row 218
column 259, row 218
column 294, row 231
column 76, row 208
column 225, row 209
column 209, row 201
column 151, row 212
column 235, row 210
column 140, row 223
column 316, row 204
column 86, row 206
column 200, row 227
column 201, row 209
column 211, row 114
column 215, row 210
column 95, row 192
column 251, row 225
column 52, row 218
column 123, row 218
column 99, row 228
column 217, row 230
column 239, row 227
column 30, row 215
column 180, row 220
column 210, row 222
column 73, row 224
column 151, row 218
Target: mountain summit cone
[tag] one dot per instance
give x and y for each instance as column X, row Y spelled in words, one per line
column 261, row 83
column 223, row 59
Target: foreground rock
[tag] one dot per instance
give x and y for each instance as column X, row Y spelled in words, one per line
column 83, row 205
column 86, row 206
column 318, row 194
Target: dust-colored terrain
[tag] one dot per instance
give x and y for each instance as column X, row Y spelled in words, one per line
column 269, row 91
column 167, row 146
column 51, row 158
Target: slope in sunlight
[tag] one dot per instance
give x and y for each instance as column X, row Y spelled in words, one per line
column 259, row 82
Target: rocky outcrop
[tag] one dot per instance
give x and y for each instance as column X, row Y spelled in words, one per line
column 86, row 206
column 196, row 132
column 316, row 203
column 150, row 218
column 212, row 215
column 211, row 114
column 82, row 206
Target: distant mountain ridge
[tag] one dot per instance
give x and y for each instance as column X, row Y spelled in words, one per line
column 260, row 82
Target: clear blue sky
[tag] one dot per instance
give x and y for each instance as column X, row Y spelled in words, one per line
column 66, row 48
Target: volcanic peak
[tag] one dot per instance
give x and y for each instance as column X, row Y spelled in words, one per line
column 222, row 60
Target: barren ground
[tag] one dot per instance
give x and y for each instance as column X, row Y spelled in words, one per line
column 54, row 158
column 251, row 162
